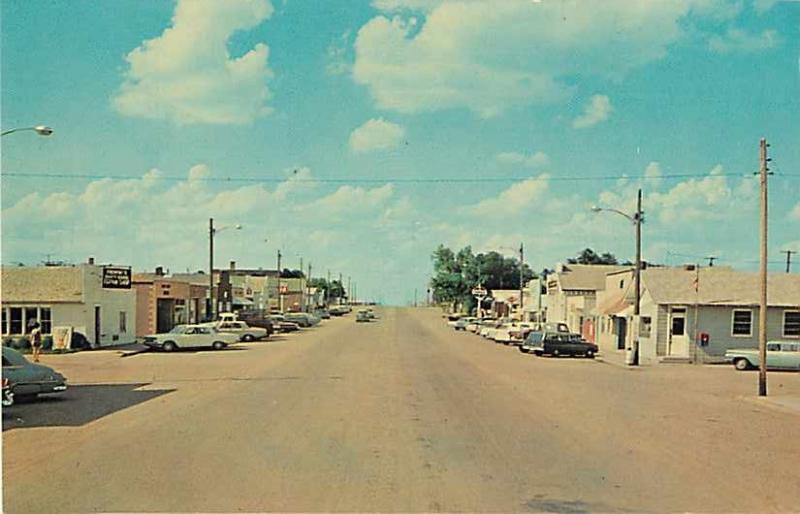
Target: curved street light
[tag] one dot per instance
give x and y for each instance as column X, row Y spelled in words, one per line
column 42, row 130
column 212, row 231
column 637, row 219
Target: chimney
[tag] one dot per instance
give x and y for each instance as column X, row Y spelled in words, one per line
column 91, row 260
column 159, row 271
column 233, row 265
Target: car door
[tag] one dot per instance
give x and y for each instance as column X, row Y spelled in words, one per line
column 774, row 356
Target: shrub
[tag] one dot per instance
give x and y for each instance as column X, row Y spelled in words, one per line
column 79, row 342
column 47, row 343
column 21, row 343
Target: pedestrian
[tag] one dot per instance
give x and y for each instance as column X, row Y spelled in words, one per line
column 36, row 341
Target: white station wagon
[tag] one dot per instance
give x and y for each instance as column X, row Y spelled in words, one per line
column 191, row 336
column 780, row 355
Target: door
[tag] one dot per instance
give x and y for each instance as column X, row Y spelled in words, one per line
column 97, row 325
column 165, row 312
column 678, row 343
column 620, row 328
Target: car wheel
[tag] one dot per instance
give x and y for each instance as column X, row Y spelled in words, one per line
column 556, row 353
column 218, row 345
column 247, row 338
column 169, row 346
column 589, row 354
column 741, row 364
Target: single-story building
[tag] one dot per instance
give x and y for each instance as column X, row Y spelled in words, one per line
column 163, row 302
column 696, row 314
column 96, row 301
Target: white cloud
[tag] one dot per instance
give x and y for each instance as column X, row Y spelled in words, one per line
column 738, row 40
column 796, row 212
column 186, row 75
column 652, row 174
column 337, row 56
column 443, row 61
column 520, row 195
column 376, row 134
column 598, row 109
column 535, row 160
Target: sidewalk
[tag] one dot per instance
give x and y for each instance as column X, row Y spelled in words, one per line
column 615, row 359
column 782, row 403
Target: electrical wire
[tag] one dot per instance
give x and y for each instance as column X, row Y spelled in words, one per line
column 384, row 180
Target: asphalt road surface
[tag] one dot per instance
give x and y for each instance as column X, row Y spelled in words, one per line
column 400, row 414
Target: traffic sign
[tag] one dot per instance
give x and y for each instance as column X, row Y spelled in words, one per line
column 479, row 291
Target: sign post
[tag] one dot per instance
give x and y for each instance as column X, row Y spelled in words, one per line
column 479, row 293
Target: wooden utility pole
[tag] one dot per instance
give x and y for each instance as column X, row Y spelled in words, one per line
column 788, row 259
column 521, row 284
column 211, row 305
column 762, row 312
column 711, row 260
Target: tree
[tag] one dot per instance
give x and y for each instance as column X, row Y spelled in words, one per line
column 588, row 256
column 296, row 273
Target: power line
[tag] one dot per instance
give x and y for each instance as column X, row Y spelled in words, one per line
column 383, row 180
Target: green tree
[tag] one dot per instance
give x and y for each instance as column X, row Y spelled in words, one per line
column 588, row 256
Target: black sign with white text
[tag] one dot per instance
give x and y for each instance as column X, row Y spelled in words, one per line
column 116, row 277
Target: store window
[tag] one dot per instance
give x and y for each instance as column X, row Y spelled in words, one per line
column 45, row 320
column 31, row 317
column 15, row 326
column 742, row 323
column 791, row 324
column 5, row 321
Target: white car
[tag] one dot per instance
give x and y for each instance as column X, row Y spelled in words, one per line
column 242, row 330
column 504, row 333
column 780, row 355
column 190, row 336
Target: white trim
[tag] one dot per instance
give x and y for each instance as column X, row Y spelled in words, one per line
column 733, row 317
column 783, row 325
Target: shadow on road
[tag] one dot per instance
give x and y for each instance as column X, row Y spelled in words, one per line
column 78, row 405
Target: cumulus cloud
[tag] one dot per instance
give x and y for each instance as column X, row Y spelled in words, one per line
column 425, row 55
column 376, row 134
column 598, row 109
column 535, row 160
column 738, row 40
column 520, row 195
column 186, row 75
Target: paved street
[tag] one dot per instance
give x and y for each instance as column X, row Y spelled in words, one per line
column 402, row 414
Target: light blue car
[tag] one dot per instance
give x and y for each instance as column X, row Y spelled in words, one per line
column 780, row 355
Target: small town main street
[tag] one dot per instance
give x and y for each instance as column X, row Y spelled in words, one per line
column 400, row 414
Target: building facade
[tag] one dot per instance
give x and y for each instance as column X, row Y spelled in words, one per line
column 96, row 301
column 163, row 302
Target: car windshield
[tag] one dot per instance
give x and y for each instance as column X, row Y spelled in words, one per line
column 178, row 329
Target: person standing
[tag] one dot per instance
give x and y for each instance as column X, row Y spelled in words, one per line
column 36, row 341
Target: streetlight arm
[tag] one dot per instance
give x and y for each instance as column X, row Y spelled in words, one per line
column 39, row 129
column 630, row 218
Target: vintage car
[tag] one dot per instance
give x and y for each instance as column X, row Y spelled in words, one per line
column 27, row 379
column 191, row 336
column 557, row 344
column 780, row 355
column 362, row 316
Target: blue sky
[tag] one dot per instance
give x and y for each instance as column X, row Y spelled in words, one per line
column 307, row 122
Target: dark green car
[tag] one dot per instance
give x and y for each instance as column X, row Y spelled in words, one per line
column 27, row 379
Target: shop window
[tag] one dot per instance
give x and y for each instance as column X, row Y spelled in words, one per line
column 46, row 320
column 15, row 321
column 645, row 325
column 123, row 322
column 5, row 321
column 742, row 323
column 31, row 317
column 791, row 324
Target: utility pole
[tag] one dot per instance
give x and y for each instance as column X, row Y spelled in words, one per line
column 279, row 264
column 308, row 288
column 788, row 259
column 349, row 291
column 328, row 289
column 711, row 260
column 762, row 312
column 521, row 285
column 211, row 269
column 637, row 276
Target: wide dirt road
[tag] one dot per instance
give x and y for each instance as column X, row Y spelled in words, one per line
column 401, row 414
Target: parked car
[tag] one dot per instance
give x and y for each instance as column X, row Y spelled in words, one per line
column 254, row 319
column 301, row 318
column 362, row 316
column 280, row 324
column 452, row 319
column 780, row 355
column 323, row 314
column 8, row 396
column 558, row 344
column 462, row 323
column 242, row 330
column 27, row 379
column 511, row 333
column 191, row 336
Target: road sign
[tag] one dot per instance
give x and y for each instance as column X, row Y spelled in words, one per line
column 479, row 292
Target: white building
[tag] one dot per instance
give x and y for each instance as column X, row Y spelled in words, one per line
column 97, row 301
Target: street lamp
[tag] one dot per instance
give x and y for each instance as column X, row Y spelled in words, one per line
column 42, row 130
column 521, row 285
column 212, row 231
column 637, row 219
